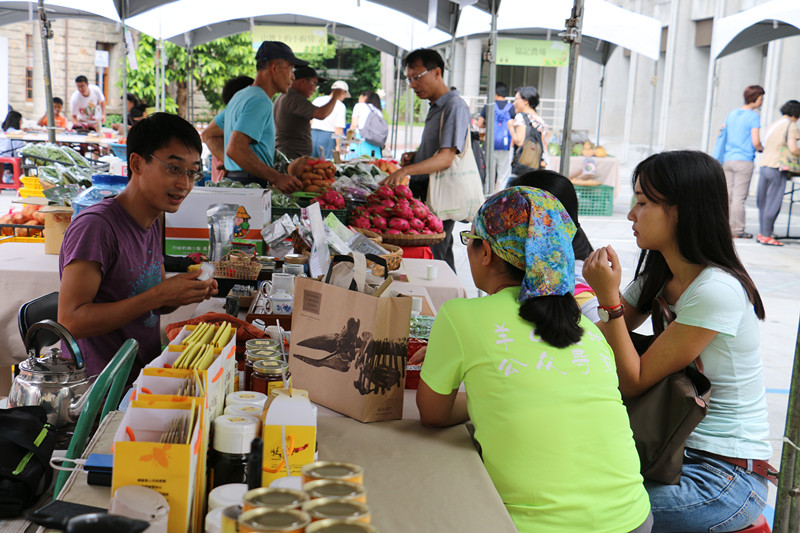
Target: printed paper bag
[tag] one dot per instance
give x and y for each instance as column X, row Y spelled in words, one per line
column 349, row 350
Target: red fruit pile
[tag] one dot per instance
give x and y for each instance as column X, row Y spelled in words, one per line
column 329, row 199
column 394, row 210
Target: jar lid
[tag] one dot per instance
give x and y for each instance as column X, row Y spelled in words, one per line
column 246, row 397
column 260, row 344
column 233, row 434
column 258, row 355
column 272, row 367
column 245, row 409
column 295, row 259
column 226, row 495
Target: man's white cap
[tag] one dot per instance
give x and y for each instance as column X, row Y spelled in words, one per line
column 339, row 84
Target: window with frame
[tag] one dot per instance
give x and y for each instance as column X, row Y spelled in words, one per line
column 29, row 67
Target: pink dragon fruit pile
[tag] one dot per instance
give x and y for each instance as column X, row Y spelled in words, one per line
column 394, row 210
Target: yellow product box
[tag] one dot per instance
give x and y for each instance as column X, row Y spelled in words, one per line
column 289, row 434
column 175, row 470
column 219, row 376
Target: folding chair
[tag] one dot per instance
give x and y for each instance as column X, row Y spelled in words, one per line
column 111, row 380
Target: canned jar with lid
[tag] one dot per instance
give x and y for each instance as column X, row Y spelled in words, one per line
column 228, row 458
column 246, row 397
column 273, row 521
column 226, row 495
column 269, row 375
column 340, row 525
column 274, row 498
column 335, row 488
column 333, row 470
column 260, row 344
column 244, row 409
column 257, row 354
column 323, row 508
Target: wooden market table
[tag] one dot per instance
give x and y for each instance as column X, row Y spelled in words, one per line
column 606, row 168
column 417, row 479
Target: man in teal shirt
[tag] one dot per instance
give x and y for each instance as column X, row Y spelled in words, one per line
column 244, row 132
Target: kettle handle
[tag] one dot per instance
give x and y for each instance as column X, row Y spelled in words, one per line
column 62, row 332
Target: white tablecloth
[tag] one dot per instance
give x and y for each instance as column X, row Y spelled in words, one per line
column 445, row 287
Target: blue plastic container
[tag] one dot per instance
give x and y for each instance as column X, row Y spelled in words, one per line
column 120, row 150
column 103, row 186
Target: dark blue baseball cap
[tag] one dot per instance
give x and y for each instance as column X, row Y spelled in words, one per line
column 270, row 50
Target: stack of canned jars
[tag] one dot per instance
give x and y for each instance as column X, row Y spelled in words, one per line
column 264, row 368
column 333, row 500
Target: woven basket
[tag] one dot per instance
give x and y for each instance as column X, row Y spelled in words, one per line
column 411, row 240
column 237, row 265
column 369, row 234
column 393, row 259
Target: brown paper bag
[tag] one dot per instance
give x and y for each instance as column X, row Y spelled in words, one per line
column 349, row 350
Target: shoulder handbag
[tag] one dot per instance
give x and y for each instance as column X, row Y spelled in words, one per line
column 719, row 146
column 26, row 445
column 456, row 192
column 528, row 157
column 663, row 417
column 788, row 163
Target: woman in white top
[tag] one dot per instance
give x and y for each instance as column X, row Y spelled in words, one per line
column 680, row 221
column 360, row 113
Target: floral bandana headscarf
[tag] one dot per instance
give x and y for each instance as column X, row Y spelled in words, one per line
column 530, row 229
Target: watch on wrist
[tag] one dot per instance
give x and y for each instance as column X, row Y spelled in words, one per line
column 610, row 313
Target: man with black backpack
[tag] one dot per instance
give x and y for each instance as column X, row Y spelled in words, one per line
column 503, row 144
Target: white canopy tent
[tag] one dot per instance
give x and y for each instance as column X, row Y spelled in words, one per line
column 765, row 22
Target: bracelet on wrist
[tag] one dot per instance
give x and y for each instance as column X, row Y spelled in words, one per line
column 611, row 307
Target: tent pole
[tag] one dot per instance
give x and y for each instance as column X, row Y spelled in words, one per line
column 787, row 507
column 669, row 74
column 571, row 35
column 719, row 12
column 654, row 83
column 125, row 52
column 488, row 142
column 451, row 77
column 396, row 103
column 47, row 34
column 600, row 102
column 190, row 85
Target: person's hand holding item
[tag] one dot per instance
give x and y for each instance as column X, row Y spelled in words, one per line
column 604, row 274
column 407, row 158
column 338, row 94
column 183, row 289
column 287, row 184
column 396, row 178
column 418, row 357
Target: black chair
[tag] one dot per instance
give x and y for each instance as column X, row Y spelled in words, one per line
column 32, row 312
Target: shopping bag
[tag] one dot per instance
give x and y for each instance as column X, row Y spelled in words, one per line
column 663, row 417
column 456, row 192
column 788, row 162
column 349, row 349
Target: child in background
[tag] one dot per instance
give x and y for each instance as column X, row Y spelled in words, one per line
column 61, row 121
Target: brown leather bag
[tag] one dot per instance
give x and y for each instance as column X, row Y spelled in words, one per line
column 663, row 417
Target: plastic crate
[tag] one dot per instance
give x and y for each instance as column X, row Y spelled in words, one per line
column 31, row 182
column 119, row 150
column 595, row 201
column 25, row 192
column 21, row 239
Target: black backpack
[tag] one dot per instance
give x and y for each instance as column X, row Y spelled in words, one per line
column 528, row 157
column 26, row 445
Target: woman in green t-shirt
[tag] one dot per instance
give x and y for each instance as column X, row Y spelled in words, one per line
column 541, row 385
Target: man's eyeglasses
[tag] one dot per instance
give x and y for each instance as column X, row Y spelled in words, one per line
column 416, row 78
column 175, row 170
column 466, row 236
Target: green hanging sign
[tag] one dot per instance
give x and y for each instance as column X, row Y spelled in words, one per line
column 532, row 53
column 301, row 39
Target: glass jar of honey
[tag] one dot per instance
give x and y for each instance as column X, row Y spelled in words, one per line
column 270, row 374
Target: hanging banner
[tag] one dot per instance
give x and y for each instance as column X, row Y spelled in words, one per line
column 532, row 53
column 301, row 39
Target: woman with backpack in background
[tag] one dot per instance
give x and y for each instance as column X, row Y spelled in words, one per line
column 367, row 108
column 527, row 124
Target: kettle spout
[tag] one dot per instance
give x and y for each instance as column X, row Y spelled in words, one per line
column 79, row 399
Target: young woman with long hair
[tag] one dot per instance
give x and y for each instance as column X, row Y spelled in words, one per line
column 541, row 389
column 680, row 221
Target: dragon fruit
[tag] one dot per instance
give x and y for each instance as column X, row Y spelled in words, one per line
column 378, row 222
column 333, row 198
column 416, row 224
column 360, row 211
column 412, row 231
column 420, row 211
column 393, row 231
column 403, row 212
column 434, row 223
column 402, row 202
column 426, row 231
column 403, row 191
column 385, row 191
column 388, row 203
column 399, row 224
column 361, row 221
column 416, row 201
column 377, row 209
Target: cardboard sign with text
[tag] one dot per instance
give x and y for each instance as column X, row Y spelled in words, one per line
column 349, row 350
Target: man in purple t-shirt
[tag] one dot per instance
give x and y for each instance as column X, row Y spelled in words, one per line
column 113, row 284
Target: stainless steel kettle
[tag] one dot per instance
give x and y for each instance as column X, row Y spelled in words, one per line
column 59, row 385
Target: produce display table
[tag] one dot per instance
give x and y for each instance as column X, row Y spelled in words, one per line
column 63, row 138
column 26, row 272
column 417, row 479
column 445, row 287
column 607, row 168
